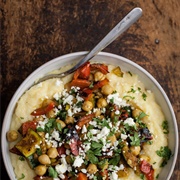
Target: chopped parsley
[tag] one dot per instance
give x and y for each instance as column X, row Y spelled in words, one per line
column 52, row 172
column 165, row 127
column 22, row 176
column 135, row 140
column 165, row 153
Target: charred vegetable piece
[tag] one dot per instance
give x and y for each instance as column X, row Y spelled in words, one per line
column 43, row 110
column 14, row 150
column 147, row 169
column 27, row 125
column 146, row 135
column 27, row 145
column 74, row 146
column 131, row 159
column 82, row 83
column 85, row 119
column 96, row 86
column 100, row 67
column 83, row 72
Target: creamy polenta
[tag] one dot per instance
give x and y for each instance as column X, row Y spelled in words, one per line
column 102, row 124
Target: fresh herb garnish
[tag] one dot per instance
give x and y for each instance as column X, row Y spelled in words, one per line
column 22, row 176
column 115, row 160
column 21, row 158
column 142, row 176
column 52, row 172
column 91, row 157
column 165, row 153
column 130, row 73
column 135, row 140
column 165, row 127
column 144, row 96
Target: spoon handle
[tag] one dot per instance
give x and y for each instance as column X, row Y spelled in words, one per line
column 122, row 26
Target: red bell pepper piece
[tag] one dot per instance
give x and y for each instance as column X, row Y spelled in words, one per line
column 101, row 67
column 82, row 176
column 147, row 169
column 27, row 125
column 85, row 119
column 74, row 146
column 104, row 174
column 43, row 110
column 82, row 83
column 61, row 150
column 83, row 72
column 98, row 85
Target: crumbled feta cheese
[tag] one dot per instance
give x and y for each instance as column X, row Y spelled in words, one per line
column 37, row 146
column 114, row 176
column 116, row 99
column 129, row 121
column 55, row 135
column 94, row 131
column 104, row 132
column 84, row 129
column 78, row 161
column 124, row 136
column 61, row 168
column 84, row 171
column 68, row 99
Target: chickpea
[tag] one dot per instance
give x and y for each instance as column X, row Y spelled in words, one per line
column 87, row 106
column 48, row 145
column 123, row 173
column 62, row 123
column 40, row 170
column 135, row 150
column 101, row 103
column 112, row 139
column 97, row 113
column 69, row 120
column 99, row 76
column 92, row 169
column 44, row 159
column 107, row 89
column 51, row 114
column 12, row 135
column 52, row 152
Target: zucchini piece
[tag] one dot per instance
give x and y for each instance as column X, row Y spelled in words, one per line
column 27, row 145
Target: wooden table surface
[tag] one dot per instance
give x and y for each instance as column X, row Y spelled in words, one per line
column 34, row 32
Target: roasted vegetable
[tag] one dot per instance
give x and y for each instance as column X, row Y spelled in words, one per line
column 27, row 145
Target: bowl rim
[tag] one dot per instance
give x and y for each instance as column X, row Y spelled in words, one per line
column 12, row 102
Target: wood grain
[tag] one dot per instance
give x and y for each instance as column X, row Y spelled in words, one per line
column 34, row 32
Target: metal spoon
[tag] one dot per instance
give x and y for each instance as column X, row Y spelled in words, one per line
column 122, row 26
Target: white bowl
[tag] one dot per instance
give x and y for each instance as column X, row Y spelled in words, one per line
column 125, row 64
